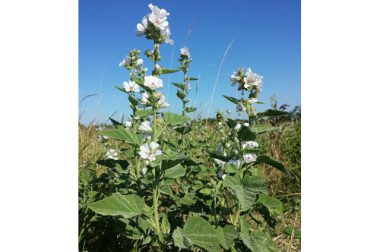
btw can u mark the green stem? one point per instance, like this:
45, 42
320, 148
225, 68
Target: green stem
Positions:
237, 215
138, 167
154, 125
155, 209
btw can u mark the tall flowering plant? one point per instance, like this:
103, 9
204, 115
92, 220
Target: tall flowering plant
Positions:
185, 86
159, 199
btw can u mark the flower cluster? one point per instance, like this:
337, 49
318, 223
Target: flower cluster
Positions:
183, 88
155, 26
133, 61
247, 81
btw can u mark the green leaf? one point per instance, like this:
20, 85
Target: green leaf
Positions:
187, 200
165, 225
168, 71
231, 99
181, 95
226, 236
192, 79
175, 119
144, 113
274, 163
121, 89
274, 205
289, 230
175, 172
190, 109
262, 242
183, 130
201, 234
271, 112
125, 205
246, 190
116, 123
179, 85
264, 129
124, 135
178, 238
245, 134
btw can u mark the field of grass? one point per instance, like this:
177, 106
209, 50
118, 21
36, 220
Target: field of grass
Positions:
283, 144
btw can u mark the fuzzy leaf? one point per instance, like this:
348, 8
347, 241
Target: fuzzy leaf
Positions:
175, 119
178, 238
246, 190
231, 99
271, 112
226, 236
274, 205
124, 205
176, 171
200, 233
122, 134
274, 163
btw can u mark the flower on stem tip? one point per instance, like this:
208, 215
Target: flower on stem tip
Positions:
185, 52
112, 154
150, 151
158, 20
253, 80
131, 86
152, 82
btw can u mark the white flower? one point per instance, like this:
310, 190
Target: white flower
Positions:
219, 162
187, 86
145, 126
249, 145
166, 34
157, 66
139, 63
150, 151
141, 27
112, 154
234, 78
144, 99
128, 124
144, 170
162, 101
246, 124
249, 158
158, 17
185, 51
237, 127
131, 86
152, 82
252, 79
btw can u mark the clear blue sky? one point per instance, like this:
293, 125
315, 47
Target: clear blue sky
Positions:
267, 37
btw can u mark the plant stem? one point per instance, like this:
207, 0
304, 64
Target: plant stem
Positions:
137, 168
237, 215
154, 125
155, 209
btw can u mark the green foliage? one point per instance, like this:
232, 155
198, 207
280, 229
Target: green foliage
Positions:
124, 205
164, 182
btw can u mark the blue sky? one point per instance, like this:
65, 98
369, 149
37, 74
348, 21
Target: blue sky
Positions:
266, 34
